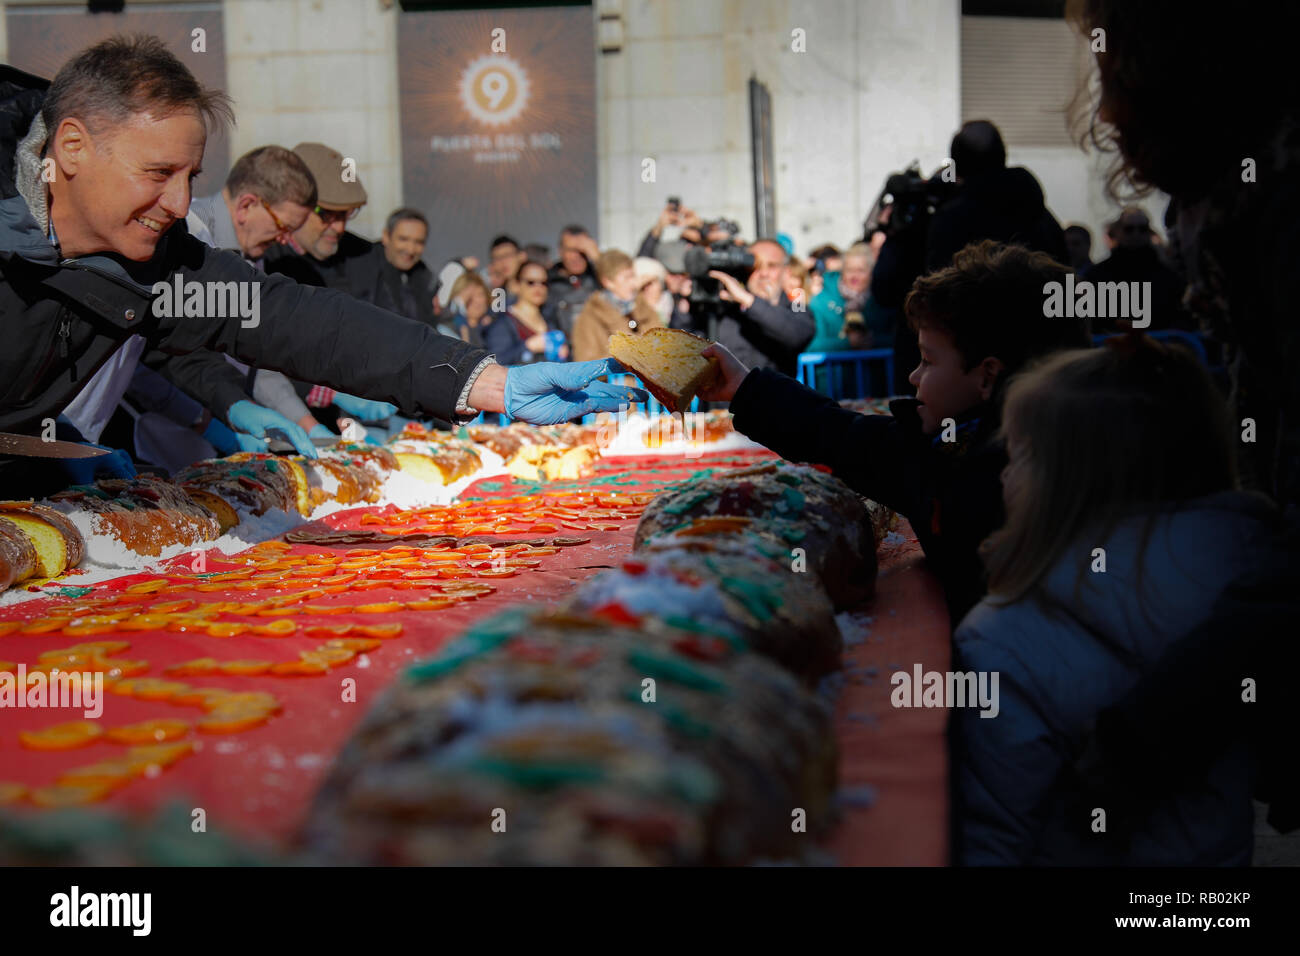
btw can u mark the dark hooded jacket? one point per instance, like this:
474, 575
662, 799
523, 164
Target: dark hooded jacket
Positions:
1005, 205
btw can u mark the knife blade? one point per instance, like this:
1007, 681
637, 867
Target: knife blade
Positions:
29, 446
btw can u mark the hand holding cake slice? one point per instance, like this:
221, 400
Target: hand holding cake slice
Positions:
668, 361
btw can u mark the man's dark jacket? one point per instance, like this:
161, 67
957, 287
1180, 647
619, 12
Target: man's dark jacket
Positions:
336, 272
64, 318
1005, 205
764, 336
950, 492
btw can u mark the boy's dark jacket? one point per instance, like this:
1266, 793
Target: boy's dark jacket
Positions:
64, 318
950, 492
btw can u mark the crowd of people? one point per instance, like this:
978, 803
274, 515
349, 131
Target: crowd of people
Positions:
1101, 519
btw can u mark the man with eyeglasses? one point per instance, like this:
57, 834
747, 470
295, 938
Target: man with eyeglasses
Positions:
321, 250
268, 196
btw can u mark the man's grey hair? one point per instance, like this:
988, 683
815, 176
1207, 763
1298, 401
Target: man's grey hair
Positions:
108, 83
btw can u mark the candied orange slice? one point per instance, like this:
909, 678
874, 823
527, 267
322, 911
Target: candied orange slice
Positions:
100, 648
422, 575
302, 668
145, 622
112, 773
42, 625
475, 548
502, 573
246, 668
70, 794
279, 628
11, 792
360, 644
272, 546
226, 629
381, 631
76, 733
434, 604
147, 587
171, 607
153, 688
329, 656
387, 607
369, 585
230, 576
338, 578
197, 667
455, 573
8, 627
204, 697
233, 721
279, 611
326, 609
161, 755
253, 698
360, 552
321, 630
335, 588
713, 523
149, 731
210, 588
116, 668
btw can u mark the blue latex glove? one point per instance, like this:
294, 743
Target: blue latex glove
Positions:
362, 409
321, 431
225, 441
84, 471
254, 420
547, 393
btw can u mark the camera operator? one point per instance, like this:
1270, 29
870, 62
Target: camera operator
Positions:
927, 221
755, 318
996, 201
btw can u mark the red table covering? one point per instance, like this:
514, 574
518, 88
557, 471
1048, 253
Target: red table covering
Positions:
258, 783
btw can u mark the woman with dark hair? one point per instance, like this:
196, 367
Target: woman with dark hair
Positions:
1198, 101
1221, 135
519, 336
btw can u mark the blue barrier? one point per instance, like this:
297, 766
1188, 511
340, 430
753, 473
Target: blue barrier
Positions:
838, 365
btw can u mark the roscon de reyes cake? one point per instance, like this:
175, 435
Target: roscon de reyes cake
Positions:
668, 361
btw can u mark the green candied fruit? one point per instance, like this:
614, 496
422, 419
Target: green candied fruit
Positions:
483, 637
537, 776
712, 630
759, 600
684, 723
675, 670
272, 465
788, 478
687, 502
793, 534
694, 782
794, 499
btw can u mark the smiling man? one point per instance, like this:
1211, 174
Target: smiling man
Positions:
96, 170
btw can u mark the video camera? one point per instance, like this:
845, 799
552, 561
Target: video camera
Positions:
914, 200
722, 256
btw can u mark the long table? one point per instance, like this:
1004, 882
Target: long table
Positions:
258, 783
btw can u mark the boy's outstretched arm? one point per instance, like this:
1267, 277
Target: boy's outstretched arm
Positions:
869, 453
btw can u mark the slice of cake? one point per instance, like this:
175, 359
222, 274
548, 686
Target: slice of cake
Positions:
17, 555
58, 544
668, 361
